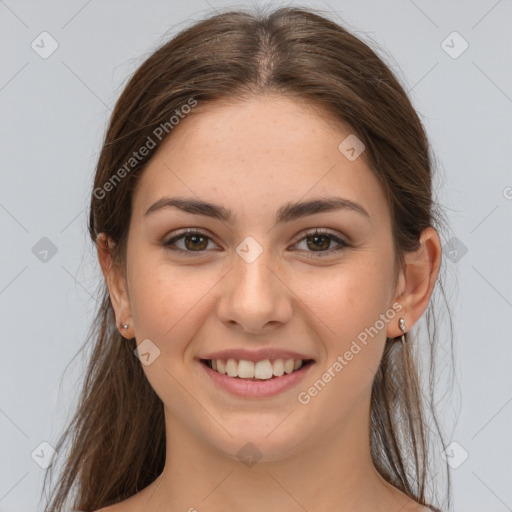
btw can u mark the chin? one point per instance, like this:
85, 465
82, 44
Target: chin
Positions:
260, 441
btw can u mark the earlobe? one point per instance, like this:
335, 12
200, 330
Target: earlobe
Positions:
417, 279
115, 282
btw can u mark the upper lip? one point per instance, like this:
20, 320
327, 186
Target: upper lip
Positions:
256, 355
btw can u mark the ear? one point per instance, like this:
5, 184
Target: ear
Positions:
116, 284
416, 281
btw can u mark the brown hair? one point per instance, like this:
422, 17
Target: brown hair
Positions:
117, 433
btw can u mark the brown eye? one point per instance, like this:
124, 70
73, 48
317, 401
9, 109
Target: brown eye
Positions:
318, 243
193, 241
196, 242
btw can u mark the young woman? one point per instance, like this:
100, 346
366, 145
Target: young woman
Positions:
263, 216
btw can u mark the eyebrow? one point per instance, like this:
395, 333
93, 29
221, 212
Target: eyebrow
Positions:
287, 213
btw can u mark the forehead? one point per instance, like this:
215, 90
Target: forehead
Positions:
256, 154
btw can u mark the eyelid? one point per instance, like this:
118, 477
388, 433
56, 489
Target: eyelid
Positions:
182, 234
335, 237
319, 231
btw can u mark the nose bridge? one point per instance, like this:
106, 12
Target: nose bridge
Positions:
253, 295
253, 277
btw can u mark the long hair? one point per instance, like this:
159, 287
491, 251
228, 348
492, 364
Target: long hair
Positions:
116, 438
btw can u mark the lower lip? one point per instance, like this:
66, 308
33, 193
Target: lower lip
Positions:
257, 389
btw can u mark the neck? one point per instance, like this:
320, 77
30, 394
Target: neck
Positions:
335, 472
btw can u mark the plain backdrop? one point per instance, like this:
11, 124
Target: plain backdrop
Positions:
63, 65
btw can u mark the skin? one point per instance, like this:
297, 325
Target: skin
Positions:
252, 157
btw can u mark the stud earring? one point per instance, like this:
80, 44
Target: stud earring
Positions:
125, 326
401, 324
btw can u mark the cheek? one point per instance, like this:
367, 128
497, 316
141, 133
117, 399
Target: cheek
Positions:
169, 306
167, 301
348, 298
352, 304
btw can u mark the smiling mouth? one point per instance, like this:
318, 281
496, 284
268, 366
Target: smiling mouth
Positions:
267, 369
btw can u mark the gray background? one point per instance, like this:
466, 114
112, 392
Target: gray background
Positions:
54, 113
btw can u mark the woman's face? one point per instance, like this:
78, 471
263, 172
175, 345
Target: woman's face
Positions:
260, 279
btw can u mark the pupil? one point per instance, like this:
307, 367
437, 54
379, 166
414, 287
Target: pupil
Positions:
321, 246
195, 238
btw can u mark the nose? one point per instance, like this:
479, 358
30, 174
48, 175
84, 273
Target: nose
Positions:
254, 295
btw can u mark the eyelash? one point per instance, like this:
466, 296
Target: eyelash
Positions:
317, 232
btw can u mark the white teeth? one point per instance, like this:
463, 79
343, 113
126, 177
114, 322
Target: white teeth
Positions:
221, 367
278, 367
288, 366
262, 370
246, 369
232, 367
